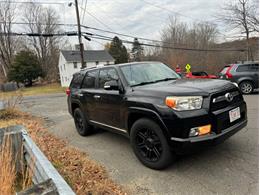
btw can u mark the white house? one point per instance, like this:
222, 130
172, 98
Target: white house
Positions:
70, 63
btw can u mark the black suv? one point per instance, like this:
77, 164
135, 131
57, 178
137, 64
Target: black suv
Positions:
162, 114
246, 75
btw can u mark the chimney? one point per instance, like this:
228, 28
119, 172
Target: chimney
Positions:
77, 47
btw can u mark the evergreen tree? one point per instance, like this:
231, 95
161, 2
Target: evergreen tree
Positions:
25, 68
118, 51
137, 50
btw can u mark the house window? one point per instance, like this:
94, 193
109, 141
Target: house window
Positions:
107, 62
61, 68
75, 65
97, 62
64, 67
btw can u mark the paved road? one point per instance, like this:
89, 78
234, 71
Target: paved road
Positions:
229, 168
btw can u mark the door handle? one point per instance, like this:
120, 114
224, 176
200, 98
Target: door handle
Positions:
96, 96
80, 94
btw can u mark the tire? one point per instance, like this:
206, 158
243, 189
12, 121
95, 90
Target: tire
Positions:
246, 87
150, 145
82, 126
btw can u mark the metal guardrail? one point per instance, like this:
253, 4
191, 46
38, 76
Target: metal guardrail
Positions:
42, 168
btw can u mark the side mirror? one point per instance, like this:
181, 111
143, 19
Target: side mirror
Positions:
111, 85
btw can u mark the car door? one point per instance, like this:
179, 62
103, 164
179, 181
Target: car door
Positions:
108, 102
88, 90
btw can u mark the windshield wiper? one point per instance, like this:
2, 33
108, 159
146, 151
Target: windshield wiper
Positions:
165, 79
143, 83
150, 82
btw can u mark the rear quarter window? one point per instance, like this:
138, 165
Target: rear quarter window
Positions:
243, 68
76, 80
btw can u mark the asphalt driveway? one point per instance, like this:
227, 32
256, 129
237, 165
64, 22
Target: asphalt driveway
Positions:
229, 168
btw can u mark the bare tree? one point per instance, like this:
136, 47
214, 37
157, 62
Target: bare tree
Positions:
179, 34
241, 15
8, 43
41, 20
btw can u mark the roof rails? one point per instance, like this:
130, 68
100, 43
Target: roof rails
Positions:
97, 66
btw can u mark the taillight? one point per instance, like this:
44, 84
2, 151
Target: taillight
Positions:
228, 74
68, 91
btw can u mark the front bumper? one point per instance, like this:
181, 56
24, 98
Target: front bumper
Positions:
187, 145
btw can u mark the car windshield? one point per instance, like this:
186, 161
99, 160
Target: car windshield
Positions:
146, 73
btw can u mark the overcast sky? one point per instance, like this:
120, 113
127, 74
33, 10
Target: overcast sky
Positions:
142, 18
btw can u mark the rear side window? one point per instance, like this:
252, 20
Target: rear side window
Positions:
243, 68
90, 79
106, 75
76, 80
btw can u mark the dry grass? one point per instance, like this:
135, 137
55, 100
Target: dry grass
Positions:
36, 90
10, 179
83, 175
7, 168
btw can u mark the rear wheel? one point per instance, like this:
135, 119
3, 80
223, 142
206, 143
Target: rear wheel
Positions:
150, 145
246, 87
81, 123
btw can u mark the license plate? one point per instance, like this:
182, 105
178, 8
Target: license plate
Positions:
234, 114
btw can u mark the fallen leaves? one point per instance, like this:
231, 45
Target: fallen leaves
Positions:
85, 176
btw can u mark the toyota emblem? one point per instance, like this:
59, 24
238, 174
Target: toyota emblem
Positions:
229, 97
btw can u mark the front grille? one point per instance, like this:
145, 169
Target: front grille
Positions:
218, 100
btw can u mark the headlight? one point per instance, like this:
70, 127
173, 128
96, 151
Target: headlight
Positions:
184, 102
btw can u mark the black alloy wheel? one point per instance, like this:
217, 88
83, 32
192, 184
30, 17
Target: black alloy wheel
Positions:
150, 145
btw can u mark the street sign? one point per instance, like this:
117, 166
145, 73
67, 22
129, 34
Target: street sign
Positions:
188, 67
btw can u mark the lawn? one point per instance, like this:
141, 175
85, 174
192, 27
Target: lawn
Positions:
36, 90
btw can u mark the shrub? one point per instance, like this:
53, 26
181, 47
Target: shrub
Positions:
25, 68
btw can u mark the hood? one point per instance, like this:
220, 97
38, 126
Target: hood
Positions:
202, 87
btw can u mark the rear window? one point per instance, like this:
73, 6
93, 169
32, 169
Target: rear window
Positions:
199, 74
76, 80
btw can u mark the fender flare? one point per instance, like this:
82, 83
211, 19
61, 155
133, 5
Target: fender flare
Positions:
149, 114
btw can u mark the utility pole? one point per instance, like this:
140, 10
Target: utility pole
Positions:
79, 35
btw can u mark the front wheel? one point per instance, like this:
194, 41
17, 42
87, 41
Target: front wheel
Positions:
150, 145
246, 87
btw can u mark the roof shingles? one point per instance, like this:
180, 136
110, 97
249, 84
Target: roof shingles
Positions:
89, 55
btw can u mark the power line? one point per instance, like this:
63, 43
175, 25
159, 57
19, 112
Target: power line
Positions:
32, 2
83, 16
102, 37
124, 35
166, 9
97, 20
84, 9
39, 34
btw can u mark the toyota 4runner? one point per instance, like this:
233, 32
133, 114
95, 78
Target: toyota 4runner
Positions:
162, 114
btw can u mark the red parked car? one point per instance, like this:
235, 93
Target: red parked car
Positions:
200, 75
